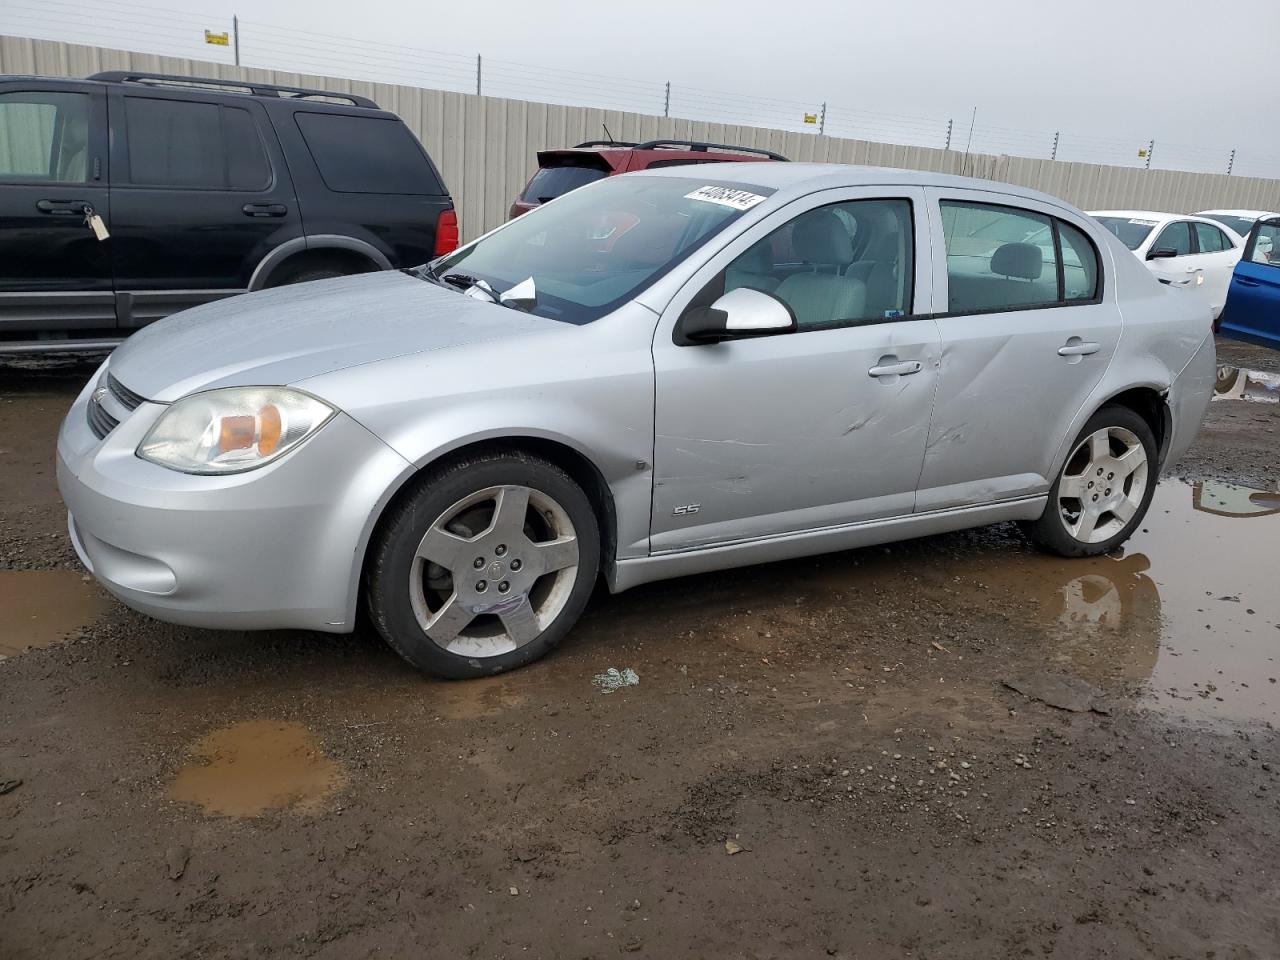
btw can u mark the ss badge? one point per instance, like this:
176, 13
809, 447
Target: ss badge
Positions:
686, 510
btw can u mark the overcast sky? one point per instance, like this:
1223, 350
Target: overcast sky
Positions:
1196, 76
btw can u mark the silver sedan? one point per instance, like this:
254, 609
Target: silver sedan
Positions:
658, 374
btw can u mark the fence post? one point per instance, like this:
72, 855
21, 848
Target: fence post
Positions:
666, 102
949, 125
235, 33
1231, 162
478, 75
1151, 147
1054, 154
822, 120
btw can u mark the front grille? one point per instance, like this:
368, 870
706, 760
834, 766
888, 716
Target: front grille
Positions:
127, 397
100, 422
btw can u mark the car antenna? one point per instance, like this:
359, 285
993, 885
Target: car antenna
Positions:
607, 135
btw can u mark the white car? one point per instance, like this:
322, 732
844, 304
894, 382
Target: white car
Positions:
1180, 249
1242, 221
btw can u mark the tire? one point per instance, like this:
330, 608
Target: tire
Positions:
483, 565
1095, 485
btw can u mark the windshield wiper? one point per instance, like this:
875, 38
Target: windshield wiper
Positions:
462, 281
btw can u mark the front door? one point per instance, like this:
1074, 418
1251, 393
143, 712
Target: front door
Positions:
824, 426
55, 274
201, 194
1027, 334
1253, 304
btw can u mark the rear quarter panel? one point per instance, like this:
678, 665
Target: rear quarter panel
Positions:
1164, 328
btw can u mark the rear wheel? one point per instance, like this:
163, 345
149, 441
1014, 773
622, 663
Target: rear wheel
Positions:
1104, 489
484, 566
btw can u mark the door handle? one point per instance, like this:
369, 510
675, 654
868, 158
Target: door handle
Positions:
1246, 282
1077, 349
264, 209
897, 369
62, 208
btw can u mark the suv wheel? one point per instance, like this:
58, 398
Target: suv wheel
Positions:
484, 566
1104, 489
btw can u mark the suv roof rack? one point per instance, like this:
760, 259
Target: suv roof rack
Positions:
605, 143
254, 88
703, 147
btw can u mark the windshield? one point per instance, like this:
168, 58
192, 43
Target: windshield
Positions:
592, 250
1131, 231
1241, 225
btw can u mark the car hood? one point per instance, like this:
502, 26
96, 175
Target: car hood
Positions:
288, 334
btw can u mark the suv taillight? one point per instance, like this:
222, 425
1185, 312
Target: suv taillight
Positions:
446, 233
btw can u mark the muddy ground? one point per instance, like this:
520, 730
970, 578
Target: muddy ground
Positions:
826, 757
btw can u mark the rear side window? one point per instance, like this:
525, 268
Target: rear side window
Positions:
367, 155
1210, 238
1265, 244
44, 136
1003, 258
1176, 237
188, 143
551, 182
1079, 264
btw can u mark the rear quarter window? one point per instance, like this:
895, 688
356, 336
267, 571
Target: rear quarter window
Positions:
367, 155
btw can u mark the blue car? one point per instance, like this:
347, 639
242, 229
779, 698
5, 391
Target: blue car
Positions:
1252, 311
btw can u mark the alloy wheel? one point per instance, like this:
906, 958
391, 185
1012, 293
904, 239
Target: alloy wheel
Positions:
1103, 484
494, 571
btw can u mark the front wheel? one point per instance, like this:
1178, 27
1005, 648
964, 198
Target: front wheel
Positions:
484, 565
1104, 489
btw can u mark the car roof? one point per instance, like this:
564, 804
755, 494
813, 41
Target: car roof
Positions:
1247, 214
808, 177
1156, 215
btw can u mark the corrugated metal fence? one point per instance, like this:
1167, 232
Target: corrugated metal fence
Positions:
485, 146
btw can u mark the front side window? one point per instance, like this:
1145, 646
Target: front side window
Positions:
834, 265
1265, 245
194, 144
998, 257
1210, 239
367, 155
1176, 237
44, 136
595, 249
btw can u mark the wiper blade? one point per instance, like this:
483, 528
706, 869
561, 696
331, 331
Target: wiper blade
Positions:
462, 281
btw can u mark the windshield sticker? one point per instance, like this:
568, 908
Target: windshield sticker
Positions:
726, 197
1144, 223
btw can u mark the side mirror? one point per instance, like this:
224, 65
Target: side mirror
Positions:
743, 312
1162, 253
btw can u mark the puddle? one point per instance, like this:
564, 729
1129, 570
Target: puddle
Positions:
248, 768
38, 608
1190, 607
1235, 383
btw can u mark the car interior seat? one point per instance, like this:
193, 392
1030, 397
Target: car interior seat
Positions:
821, 241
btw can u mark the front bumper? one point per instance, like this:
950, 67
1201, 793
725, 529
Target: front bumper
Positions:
280, 546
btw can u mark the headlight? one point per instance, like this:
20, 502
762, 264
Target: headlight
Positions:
232, 430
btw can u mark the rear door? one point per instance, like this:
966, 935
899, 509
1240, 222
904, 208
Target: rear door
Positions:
201, 194
55, 275
1253, 303
1027, 332
1216, 256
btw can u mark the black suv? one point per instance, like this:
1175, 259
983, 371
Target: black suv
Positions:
129, 196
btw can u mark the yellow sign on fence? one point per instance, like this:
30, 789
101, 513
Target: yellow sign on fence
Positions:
217, 39
811, 118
